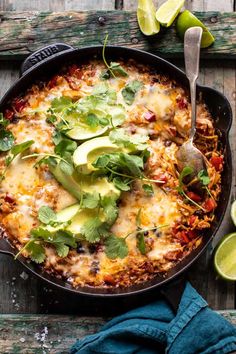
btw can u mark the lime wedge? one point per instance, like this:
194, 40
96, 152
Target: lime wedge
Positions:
168, 11
233, 212
146, 17
187, 20
225, 257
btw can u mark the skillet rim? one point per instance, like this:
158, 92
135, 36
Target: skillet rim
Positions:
190, 259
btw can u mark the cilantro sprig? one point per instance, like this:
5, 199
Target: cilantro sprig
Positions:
62, 241
114, 68
186, 171
6, 136
122, 169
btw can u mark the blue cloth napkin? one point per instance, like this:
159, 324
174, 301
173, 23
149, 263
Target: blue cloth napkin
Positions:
155, 328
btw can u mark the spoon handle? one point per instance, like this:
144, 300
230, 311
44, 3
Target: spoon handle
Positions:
192, 44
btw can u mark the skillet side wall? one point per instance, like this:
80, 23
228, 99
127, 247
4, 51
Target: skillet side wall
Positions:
222, 115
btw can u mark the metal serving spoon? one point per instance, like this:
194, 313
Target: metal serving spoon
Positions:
188, 154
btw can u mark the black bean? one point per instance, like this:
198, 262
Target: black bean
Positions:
94, 268
158, 233
80, 248
167, 143
199, 212
145, 233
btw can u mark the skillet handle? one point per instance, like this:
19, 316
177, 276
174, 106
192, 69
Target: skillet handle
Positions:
42, 55
5, 247
173, 292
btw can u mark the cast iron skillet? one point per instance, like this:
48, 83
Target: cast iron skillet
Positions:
48, 61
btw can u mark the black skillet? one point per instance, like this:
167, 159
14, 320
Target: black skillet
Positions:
48, 61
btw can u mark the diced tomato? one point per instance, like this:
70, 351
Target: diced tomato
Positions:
217, 162
150, 116
209, 204
109, 279
192, 220
182, 103
192, 234
53, 82
175, 229
182, 236
161, 179
19, 104
172, 130
9, 114
194, 196
9, 199
75, 71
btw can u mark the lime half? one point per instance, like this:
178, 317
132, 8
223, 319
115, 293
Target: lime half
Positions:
225, 257
146, 17
187, 20
168, 11
233, 212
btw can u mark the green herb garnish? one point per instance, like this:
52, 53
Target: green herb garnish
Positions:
187, 171
130, 90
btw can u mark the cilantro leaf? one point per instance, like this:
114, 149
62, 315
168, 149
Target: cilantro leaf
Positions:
203, 177
36, 251
62, 249
148, 189
90, 230
92, 120
110, 209
65, 237
141, 243
117, 69
133, 142
122, 185
130, 90
57, 136
19, 148
6, 140
3, 122
46, 215
187, 170
60, 103
90, 201
116, 247
132, 164
65, 148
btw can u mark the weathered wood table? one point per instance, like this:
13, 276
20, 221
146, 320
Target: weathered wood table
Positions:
20, 33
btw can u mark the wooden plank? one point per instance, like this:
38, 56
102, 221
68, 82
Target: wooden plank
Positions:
42, 334
192, 5
24, 32
56, 5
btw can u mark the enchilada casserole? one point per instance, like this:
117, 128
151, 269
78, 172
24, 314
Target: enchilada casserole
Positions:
89, 186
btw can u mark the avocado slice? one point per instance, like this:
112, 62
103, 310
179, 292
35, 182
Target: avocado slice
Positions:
75, 215
83, 133
76, 183
88, 152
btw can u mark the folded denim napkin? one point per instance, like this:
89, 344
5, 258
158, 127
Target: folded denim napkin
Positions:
155, 328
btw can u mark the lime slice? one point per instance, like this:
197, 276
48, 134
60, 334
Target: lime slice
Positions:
168, 11
187, 20
146, 17
225, 257
233, 212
